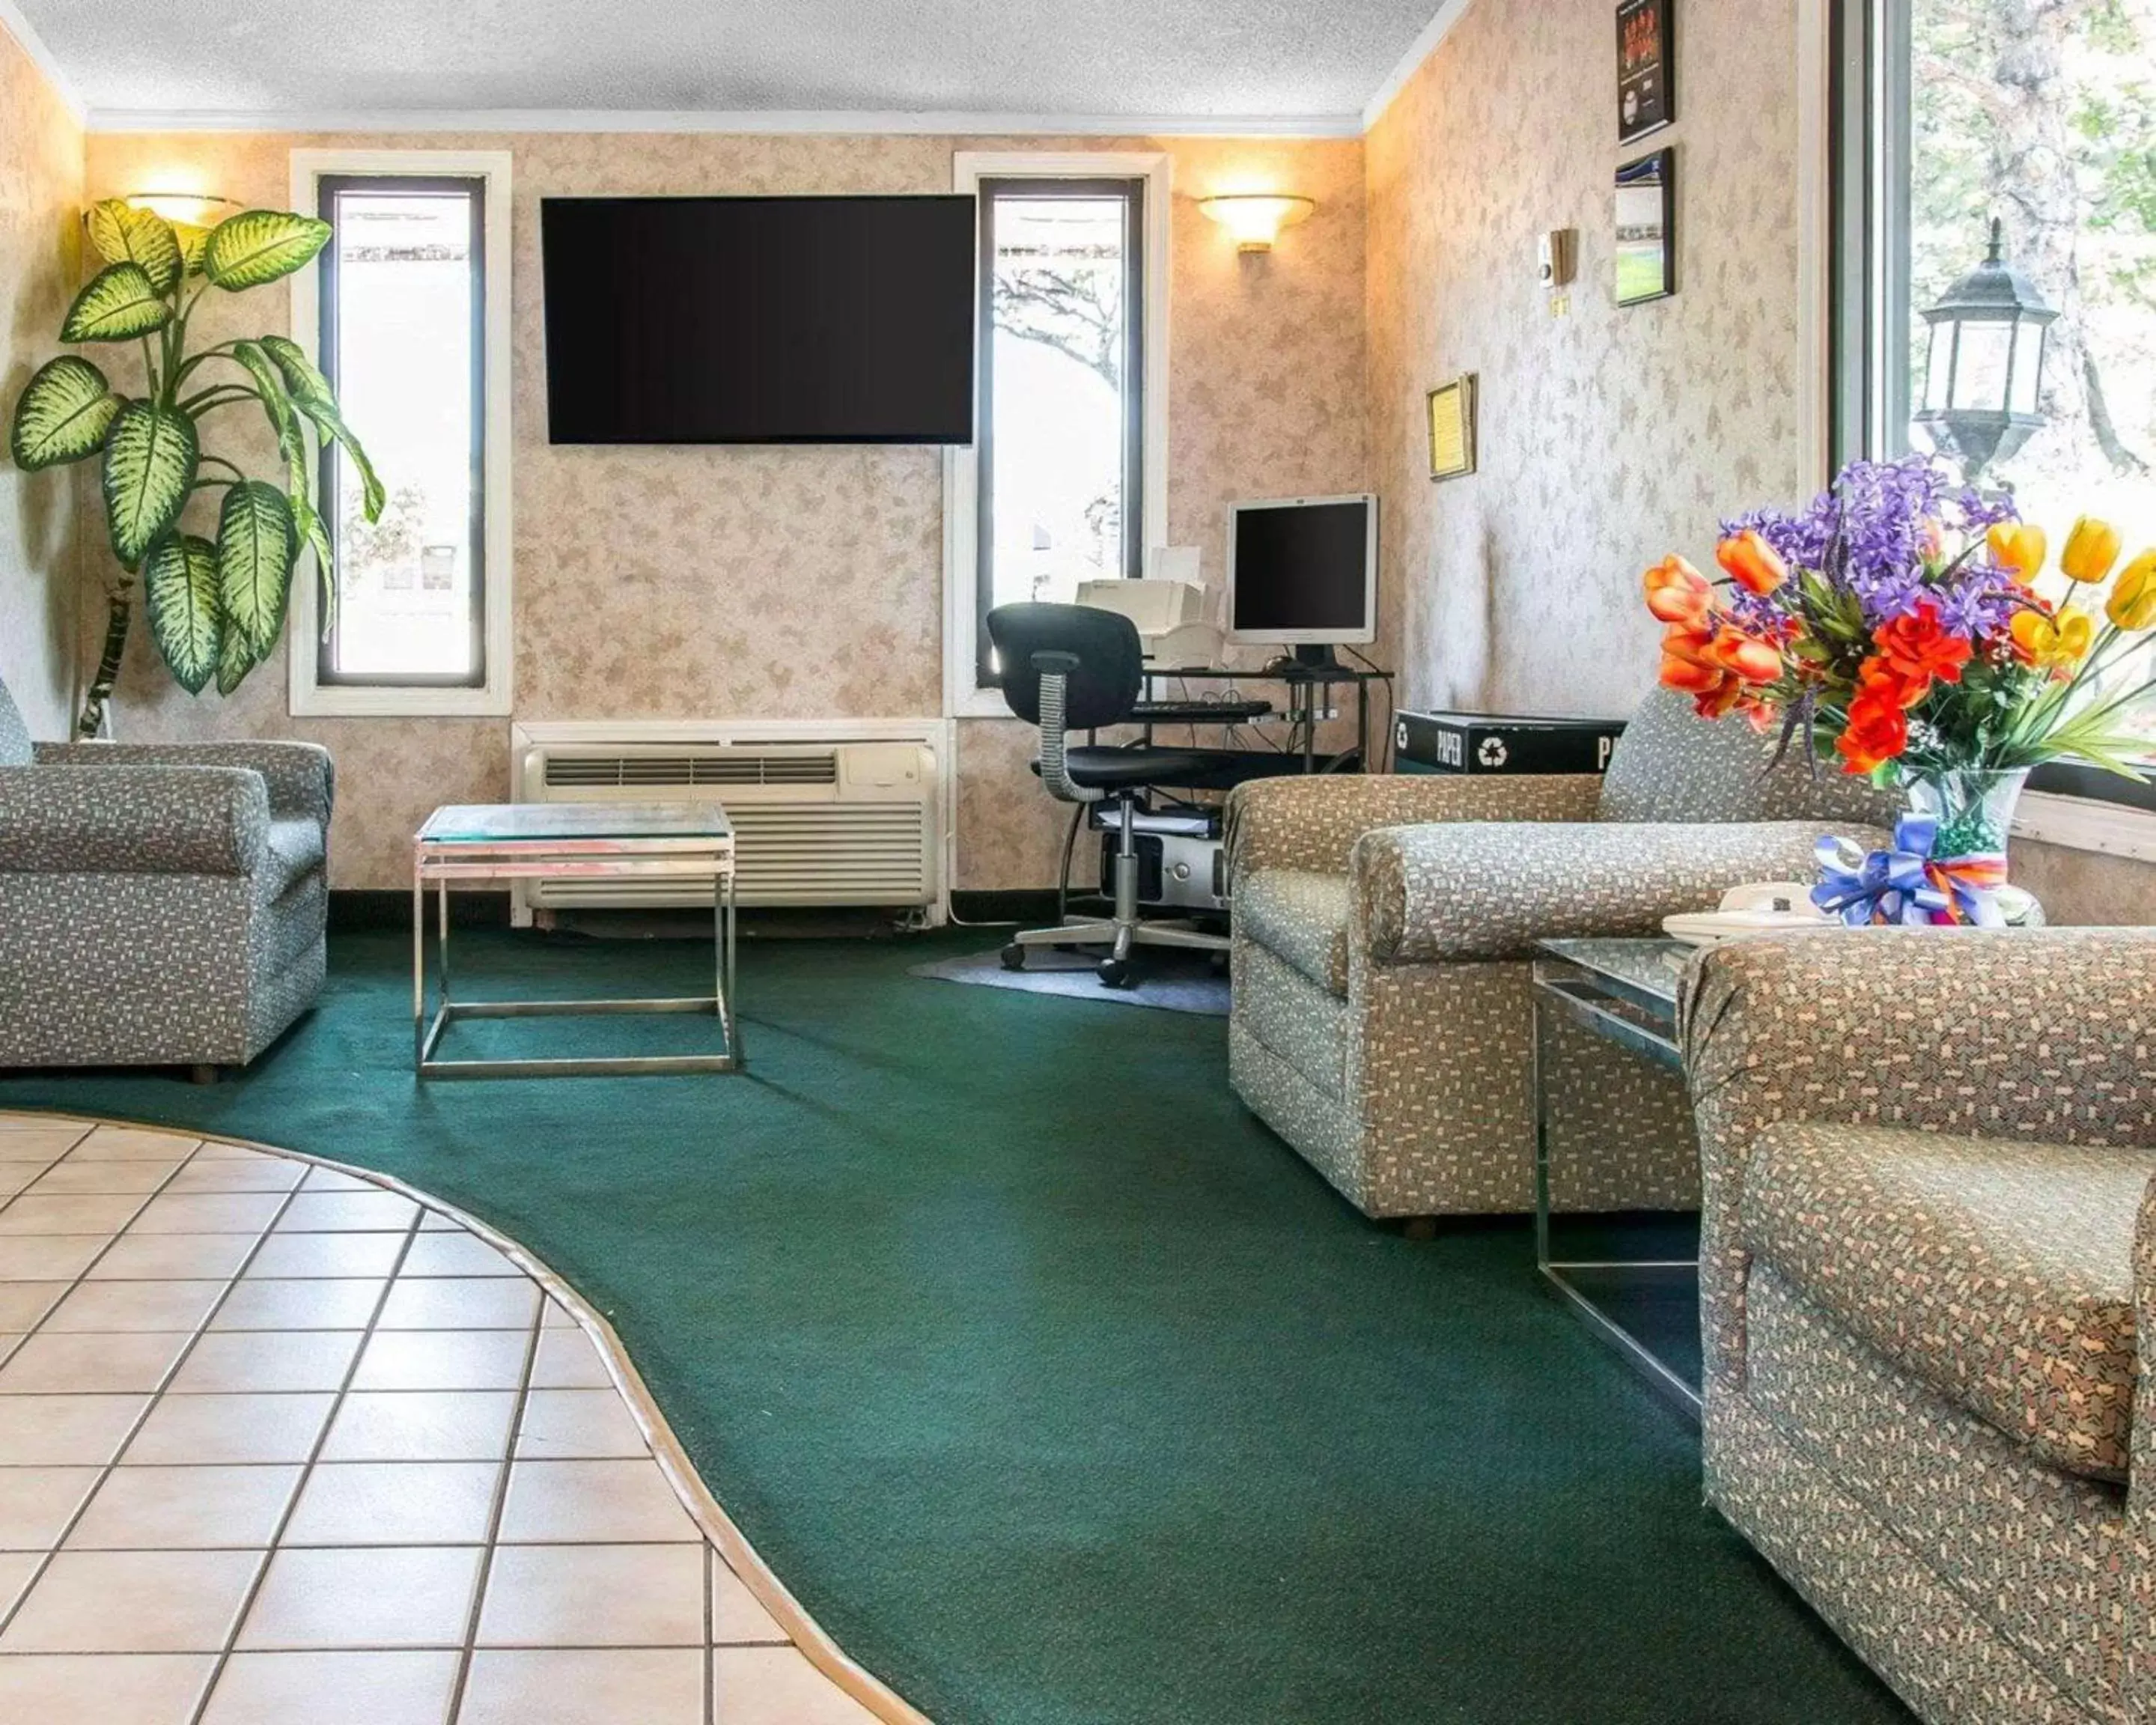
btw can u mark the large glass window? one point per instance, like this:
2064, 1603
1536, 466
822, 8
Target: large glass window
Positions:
1061, 445
403, 337
2040, 115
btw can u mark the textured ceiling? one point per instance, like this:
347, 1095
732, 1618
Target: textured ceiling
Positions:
1194, 59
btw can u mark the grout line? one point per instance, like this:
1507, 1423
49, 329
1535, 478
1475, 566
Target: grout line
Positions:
710, 1555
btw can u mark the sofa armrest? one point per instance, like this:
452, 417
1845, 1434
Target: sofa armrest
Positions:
132, 820
301, 777
1312, 824
2141, 1477
2046, 1033
1445, 894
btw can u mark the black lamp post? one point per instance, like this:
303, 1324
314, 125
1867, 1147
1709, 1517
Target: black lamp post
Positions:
1983, 377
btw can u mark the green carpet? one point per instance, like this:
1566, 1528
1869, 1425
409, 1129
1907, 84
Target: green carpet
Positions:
1059, 1391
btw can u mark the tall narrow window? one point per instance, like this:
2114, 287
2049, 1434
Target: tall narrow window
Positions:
1061, 450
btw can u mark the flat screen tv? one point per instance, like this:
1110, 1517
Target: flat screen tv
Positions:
759, 320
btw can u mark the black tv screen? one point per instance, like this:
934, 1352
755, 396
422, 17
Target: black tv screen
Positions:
759, 320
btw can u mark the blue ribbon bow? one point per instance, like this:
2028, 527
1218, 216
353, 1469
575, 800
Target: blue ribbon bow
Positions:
1881, 885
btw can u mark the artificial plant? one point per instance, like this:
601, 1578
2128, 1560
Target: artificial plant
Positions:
216, 604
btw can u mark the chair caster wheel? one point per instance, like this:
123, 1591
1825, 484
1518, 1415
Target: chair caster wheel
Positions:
1114, 973
1014, 957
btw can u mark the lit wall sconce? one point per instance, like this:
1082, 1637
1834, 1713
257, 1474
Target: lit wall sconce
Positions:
184, 209
1255, 218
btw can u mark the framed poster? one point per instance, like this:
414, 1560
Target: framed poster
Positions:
1646, 67
1452, 427
1647, 228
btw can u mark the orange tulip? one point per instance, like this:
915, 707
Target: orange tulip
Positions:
1746, 656
1677, 592
2018, 548
1751, 562
2133, 596
2091, 549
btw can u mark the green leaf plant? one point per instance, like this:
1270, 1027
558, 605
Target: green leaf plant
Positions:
216, 598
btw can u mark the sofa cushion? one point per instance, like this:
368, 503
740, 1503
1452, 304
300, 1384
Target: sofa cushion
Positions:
1999, 1273
1300, 916
1672, 765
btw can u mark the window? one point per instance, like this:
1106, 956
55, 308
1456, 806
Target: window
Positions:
1948, 115
406, 313
1065, 482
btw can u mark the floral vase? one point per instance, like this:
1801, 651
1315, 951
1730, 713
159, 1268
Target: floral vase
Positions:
1974, 809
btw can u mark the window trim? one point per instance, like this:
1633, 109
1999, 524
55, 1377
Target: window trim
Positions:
310, 696
962, 697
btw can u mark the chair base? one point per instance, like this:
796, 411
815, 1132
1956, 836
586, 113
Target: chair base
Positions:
1119, 937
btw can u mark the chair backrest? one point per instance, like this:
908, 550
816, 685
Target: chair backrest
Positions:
14, 735
1111, 667
1671, 765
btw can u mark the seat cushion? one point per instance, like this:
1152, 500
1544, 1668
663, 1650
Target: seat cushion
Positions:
1301, 917
2000, 1274
1186, 769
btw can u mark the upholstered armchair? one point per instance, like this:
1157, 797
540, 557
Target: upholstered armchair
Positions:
1928, 1258
160, 905
1384, 931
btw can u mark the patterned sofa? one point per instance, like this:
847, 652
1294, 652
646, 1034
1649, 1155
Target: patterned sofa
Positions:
1929, 1243
1383, 930
160, 905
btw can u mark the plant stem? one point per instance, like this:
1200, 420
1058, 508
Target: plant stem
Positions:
92, 718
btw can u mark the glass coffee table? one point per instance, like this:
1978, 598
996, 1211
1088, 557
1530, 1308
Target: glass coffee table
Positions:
689, 842
1647, 1308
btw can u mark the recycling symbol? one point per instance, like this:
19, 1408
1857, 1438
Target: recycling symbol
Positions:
1493, 752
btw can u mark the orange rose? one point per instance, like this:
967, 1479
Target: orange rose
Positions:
1877, 731
1878, 679
1918, 645
1677, 592
1751, 562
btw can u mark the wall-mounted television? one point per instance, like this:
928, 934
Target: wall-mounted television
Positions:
759, 320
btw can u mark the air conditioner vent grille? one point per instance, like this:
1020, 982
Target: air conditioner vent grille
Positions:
714, 768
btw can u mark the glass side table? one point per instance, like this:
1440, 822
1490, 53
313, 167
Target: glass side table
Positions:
1626, 992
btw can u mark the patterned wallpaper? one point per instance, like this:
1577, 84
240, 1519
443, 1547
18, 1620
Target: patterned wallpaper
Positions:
41, 169
666, 582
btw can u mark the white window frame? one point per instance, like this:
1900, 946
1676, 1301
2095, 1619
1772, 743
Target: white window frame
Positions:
310, 698
962, 466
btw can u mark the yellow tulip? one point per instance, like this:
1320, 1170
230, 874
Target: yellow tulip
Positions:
2092, 548
2018, 548
2055, 644
2133, 595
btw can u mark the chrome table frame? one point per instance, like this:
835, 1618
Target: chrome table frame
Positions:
707, 858
1645, 1023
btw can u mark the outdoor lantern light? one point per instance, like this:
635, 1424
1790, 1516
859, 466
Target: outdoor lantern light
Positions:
1984, 375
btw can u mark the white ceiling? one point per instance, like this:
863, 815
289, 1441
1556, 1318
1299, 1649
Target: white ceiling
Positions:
1278, 63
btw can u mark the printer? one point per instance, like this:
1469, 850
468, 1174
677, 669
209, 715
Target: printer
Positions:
1169, 611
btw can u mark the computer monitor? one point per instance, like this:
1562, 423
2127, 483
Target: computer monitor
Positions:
1302, 573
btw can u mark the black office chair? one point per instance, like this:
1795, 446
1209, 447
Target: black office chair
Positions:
1071, 668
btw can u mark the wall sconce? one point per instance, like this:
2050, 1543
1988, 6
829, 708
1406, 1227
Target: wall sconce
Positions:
184, 209
1255, 218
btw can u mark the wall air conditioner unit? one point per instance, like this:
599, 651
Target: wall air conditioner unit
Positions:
843, 813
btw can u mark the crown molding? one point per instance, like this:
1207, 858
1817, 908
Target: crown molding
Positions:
744, 120
32, 44
1420, 49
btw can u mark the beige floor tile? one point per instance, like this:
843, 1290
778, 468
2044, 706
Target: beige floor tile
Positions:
594, 1596
230, 1361
24, 1303
568, 1360
443, 1254
379, 1598
39, 1143
10, 1341
776, 1685
591, 1503
133, 1602
90, 1365
171, 1257
442, 1359
300, 1304
570, 1424
108, 1177
395, 1503
436, 1219
66, 1430
329, 1179
330, 1254
111, 1305
19, 1176
134, 1143
16, 1569
48, 1257
346, 1213
70, 1213
422, 1426
186, 1508
461, 1303
738, 1617
81, 1689
36, 1503
216, 1150
651, 1685
184, 1429
208, 1213
558, 1317
333, 1689
256, 1173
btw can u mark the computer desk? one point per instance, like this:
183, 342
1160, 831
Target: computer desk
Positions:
1303, 683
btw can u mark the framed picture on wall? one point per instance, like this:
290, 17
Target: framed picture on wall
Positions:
1647, 228
1646, 67
1452, 408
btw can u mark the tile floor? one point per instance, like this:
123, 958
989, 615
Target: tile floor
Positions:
277, 1444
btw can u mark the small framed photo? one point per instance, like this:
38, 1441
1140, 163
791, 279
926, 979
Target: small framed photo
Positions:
1647, 228
1452, 427
1646, 67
